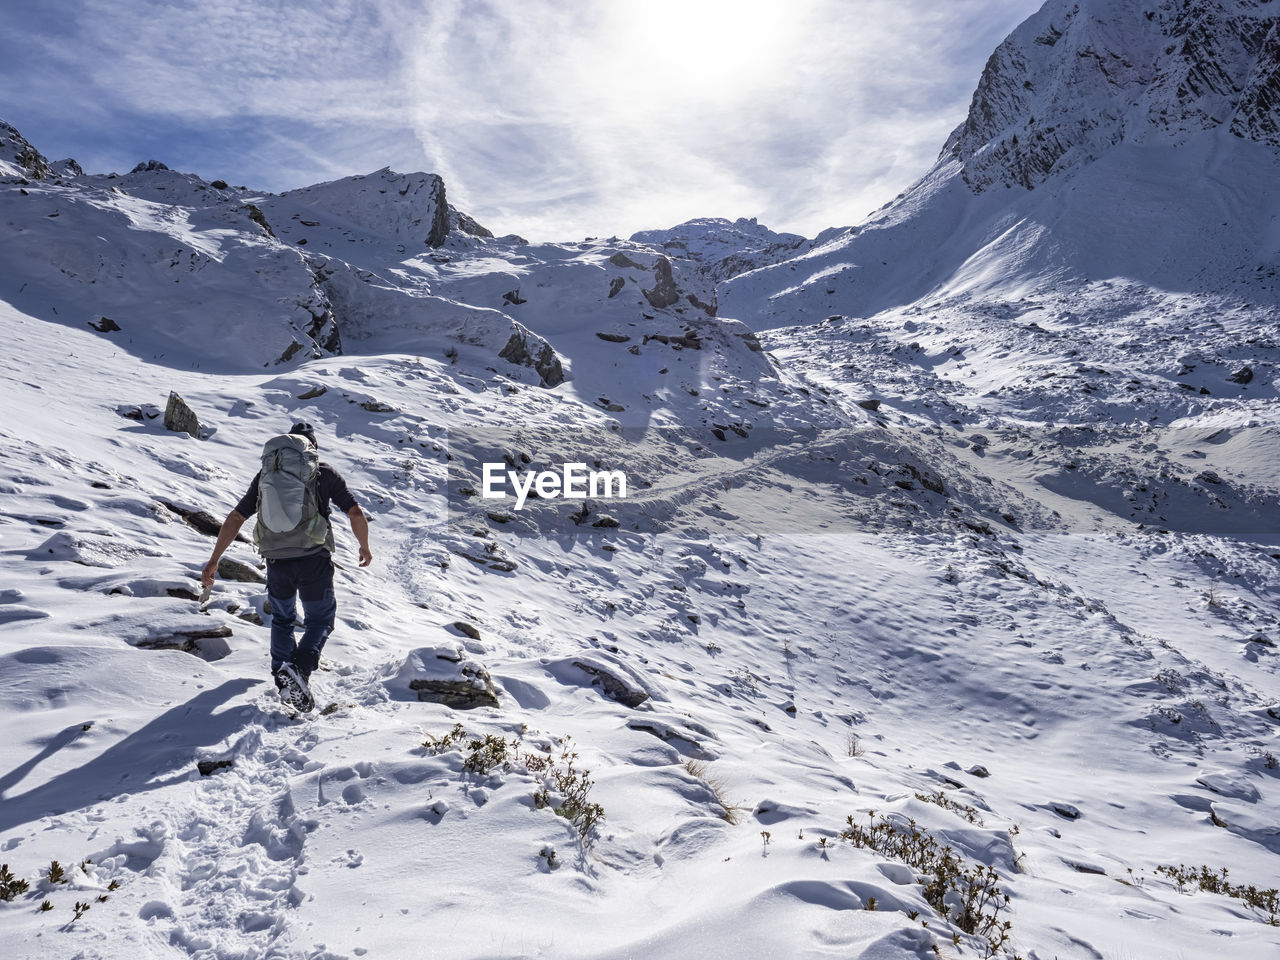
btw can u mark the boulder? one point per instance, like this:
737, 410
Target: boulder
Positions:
1242, 376
442, 675
180, 418
229, 569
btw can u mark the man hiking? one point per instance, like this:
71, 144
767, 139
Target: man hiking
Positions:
291, 495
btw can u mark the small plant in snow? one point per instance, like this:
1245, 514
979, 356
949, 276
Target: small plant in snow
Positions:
955, 806
976, 900
549, 854
1266, 902
10, 886
729, 812
45, 906
445, 742
488, 752
56, 874
853, 745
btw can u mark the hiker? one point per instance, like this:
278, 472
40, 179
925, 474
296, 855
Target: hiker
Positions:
291, 494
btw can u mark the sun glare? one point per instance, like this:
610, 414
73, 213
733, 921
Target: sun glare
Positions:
691, 52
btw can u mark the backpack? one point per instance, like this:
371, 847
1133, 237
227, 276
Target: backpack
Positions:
290, 523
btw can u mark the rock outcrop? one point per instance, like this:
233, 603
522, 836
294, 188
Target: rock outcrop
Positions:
1078, 78
664, 292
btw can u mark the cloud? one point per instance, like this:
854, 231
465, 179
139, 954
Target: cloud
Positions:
614, 117
552, 118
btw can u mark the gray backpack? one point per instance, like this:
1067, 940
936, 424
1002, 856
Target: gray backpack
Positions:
290, 523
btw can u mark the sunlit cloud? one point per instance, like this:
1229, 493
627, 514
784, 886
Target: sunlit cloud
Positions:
550, 118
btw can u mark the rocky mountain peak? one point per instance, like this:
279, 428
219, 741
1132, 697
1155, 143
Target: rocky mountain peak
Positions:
17, 152
1078, 77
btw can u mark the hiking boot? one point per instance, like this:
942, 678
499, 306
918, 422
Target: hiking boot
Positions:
293, 688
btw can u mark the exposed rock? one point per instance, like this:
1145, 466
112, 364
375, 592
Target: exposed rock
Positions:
219, 184
209, 767
613, 337
1076, 79
440, 215
513, 297
377, 406
466, 629
664, 292
200, 520
180, 418
107, 325
260, 218
873, 405
149, 166
622, 260
616, 684
688, 339
140, 412
443, 675
468, 225
229, 569
1244, 374
208, 643
14, 147
615, 286
313, 393
707, 308
541, 358
290, 351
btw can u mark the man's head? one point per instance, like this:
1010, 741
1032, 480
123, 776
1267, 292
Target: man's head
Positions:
304, 429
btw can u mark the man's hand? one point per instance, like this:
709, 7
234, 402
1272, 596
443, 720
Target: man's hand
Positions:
230, 527
360, 527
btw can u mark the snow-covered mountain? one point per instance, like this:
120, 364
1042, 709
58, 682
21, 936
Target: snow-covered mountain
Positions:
959, 523
1106, 140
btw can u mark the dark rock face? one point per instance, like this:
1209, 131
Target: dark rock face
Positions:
1242, 376
615, 286
14, 147
467, 225
540, 356
149, 166
260, 218
180, 418
1077, 78
440, 218
622, 260
616, 685
664, 292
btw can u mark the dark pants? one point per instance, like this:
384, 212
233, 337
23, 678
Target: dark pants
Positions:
310, 578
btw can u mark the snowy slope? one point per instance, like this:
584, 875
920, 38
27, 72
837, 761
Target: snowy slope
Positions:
983, 540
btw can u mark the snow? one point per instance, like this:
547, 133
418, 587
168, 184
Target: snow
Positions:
1028, 602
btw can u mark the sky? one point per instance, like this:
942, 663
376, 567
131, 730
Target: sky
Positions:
554, 119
